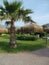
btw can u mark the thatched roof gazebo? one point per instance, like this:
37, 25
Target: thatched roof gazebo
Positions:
31, 28
3, 30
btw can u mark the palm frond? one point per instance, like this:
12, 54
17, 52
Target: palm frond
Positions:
7, 22
28, 19
15, 11
27, 11
2, 8
1, 17
11, 7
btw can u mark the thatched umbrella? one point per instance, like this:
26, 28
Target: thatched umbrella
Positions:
3, 30
31, 28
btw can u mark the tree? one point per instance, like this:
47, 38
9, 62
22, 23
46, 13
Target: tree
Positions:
14, 11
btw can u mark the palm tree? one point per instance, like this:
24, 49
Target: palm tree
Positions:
14, 11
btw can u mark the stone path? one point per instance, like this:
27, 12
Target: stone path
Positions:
39, 57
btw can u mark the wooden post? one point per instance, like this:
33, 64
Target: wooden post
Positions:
46, 39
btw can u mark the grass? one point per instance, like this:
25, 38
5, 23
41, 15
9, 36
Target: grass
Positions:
21, 45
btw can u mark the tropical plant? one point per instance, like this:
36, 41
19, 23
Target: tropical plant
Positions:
14, 12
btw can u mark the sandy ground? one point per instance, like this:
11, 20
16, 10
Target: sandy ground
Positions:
39, 57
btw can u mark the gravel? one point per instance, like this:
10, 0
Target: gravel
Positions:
38, 57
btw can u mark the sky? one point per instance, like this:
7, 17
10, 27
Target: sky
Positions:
40, 9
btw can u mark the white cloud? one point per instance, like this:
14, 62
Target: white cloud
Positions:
41, 19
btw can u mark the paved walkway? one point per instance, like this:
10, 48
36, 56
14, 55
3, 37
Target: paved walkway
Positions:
39, 57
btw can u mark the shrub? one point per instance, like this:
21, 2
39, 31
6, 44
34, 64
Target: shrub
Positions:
6, 36
0, 33
26, 37
43, 34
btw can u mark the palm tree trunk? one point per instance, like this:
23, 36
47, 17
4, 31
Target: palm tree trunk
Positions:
12, 35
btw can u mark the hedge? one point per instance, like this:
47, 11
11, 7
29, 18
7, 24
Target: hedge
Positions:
26, 37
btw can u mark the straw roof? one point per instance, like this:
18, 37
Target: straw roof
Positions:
34, 26
30, 28
3, 30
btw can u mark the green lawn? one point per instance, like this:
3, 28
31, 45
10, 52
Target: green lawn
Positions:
21, 45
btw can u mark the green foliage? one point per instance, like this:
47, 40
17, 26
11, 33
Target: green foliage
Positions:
12, 7
15, 11
43, 34
0, 33
21, 45
26, 37
6, 36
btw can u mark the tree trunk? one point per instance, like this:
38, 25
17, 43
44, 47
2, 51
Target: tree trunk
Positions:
12, 35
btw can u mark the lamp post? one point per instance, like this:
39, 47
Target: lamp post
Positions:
46, 39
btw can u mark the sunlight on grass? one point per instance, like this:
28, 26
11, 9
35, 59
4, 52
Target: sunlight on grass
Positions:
21, 45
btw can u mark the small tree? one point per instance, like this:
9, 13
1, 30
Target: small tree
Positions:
14, 11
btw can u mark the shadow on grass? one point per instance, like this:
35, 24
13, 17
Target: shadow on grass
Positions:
4, 47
